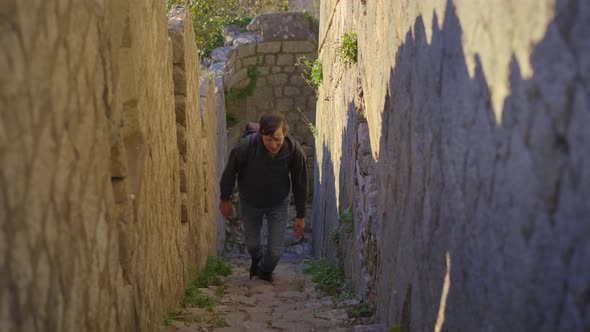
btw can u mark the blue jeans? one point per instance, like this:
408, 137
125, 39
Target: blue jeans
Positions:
276, 218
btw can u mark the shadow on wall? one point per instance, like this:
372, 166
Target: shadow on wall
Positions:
324, 210
508, 201
325, 214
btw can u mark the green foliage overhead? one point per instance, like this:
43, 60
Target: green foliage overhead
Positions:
211, 16
348, 48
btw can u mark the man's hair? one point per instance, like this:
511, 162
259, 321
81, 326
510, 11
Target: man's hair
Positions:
271, 122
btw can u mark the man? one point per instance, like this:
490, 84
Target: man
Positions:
267, 164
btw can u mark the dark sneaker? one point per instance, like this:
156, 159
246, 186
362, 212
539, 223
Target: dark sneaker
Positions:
254, 268
268, 276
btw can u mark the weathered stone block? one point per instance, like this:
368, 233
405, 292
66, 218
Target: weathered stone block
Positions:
241, 84
249, 61
270, 59
285, 60
222, 54
284, 104
277, 79
183, 208
292, 91
297, 80
264, 70
281, 26
300, 46
239, 76
276, 69
278, 92
180, 109
269, 47
246, 50
183, 186
263, 97
261, 82
181, 139
246, 38
179, 81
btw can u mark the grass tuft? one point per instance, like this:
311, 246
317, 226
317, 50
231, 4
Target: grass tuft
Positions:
329, 278
214, 268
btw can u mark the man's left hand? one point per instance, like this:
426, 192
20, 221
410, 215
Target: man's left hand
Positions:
299, 226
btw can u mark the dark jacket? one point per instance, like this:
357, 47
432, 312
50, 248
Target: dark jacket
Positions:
264, 181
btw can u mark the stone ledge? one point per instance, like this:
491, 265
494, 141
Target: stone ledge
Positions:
281, 26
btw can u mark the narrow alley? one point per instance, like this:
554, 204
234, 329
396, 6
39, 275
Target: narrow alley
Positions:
441, 149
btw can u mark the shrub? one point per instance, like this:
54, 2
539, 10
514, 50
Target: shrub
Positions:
328, 278
311, 71
214, 268
348, 48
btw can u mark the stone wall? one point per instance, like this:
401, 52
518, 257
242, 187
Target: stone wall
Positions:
197, 128
271, 48
460, 140
92, 237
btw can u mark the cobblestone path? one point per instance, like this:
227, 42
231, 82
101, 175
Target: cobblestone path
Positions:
290, 303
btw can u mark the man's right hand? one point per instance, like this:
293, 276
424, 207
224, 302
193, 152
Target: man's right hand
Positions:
226, 208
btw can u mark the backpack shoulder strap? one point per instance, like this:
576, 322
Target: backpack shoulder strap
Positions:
252, 145
293, 150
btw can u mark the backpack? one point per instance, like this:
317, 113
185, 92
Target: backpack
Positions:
251, 131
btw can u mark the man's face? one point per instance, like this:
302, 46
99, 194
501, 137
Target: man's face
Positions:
274, 142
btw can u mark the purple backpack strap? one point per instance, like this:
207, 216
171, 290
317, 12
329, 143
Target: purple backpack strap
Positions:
252, 144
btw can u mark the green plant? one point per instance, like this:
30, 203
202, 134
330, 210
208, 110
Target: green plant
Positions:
311, 71
218, 321
214, 268
317, 75
346, 220
335, 236
395, 329
348, 48
194, 298
328, 278
360, 310
172, 316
